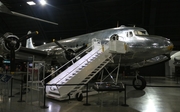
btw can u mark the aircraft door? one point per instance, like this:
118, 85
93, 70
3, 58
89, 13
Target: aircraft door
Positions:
116, 37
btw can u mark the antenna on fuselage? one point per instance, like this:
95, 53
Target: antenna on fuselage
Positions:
117, 23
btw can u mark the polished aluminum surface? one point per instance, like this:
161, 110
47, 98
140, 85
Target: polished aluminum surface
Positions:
141, 46
142, 49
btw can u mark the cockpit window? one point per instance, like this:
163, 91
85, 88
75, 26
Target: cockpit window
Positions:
138, 32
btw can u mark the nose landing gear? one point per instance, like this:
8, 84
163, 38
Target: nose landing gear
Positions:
139, 83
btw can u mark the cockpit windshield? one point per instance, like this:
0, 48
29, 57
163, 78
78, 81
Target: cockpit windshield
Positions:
142, 32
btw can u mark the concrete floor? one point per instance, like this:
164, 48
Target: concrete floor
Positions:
151, 99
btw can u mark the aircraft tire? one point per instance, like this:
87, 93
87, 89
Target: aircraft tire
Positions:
140, 80
79, 97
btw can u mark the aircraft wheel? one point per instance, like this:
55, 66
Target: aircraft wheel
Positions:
139, 83
79, 96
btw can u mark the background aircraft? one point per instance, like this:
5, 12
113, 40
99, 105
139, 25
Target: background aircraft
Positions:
12, 43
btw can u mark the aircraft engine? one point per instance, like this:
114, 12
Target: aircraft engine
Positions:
64, 56
11, 41
69, 54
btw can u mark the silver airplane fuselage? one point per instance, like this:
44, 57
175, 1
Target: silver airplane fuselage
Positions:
140, 45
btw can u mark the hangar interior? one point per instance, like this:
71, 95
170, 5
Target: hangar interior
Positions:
77, 17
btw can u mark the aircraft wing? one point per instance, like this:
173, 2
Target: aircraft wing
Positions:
26, 53
33, 51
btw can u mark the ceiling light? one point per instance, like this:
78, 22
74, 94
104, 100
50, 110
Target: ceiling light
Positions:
43, 2
31, 3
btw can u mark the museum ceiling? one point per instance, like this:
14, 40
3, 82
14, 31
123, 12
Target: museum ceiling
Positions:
76, 17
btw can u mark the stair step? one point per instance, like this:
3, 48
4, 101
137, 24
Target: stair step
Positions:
91, 74
76, 87
73, 91
70, 76
87, 77
84, 81
74, 74
95, 71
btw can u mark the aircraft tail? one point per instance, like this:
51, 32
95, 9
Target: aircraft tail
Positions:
29, 43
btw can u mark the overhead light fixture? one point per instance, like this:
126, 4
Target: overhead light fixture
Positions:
31, 3
43, 2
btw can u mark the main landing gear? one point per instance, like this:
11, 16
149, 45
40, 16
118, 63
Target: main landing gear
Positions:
139, 83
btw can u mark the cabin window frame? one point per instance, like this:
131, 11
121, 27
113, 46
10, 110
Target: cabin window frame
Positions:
129, 34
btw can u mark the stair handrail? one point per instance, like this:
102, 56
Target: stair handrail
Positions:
68, 62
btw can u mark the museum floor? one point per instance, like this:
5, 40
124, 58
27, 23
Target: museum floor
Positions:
152, 99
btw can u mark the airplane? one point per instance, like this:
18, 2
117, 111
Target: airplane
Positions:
142, 49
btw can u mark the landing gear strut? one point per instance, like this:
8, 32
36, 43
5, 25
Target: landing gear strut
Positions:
139, 83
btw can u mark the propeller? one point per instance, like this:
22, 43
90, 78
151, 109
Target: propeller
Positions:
56, 42
12, 43
69, 52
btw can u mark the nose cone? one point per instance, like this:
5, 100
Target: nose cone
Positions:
169, 45
163, 43
159, 44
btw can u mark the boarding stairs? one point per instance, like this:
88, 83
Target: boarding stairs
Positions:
80, 72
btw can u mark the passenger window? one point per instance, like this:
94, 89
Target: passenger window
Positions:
129, 34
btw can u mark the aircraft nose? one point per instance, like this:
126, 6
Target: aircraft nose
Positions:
169, 45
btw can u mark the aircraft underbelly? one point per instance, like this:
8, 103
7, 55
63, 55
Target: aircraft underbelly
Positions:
136, 57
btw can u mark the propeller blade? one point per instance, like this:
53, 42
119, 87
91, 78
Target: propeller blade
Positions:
29, 35
57, 43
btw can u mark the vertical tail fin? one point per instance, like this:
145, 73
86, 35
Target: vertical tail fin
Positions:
29, 43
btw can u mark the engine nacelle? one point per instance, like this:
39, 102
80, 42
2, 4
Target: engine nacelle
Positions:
11, 41
64, 56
